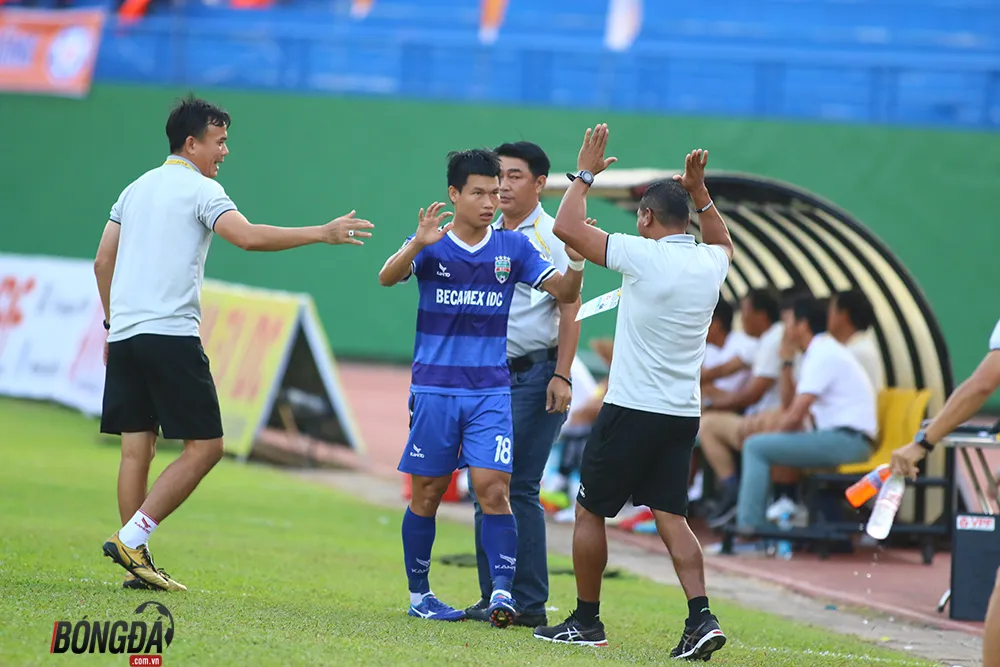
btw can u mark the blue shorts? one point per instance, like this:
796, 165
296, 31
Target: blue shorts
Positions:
448, 433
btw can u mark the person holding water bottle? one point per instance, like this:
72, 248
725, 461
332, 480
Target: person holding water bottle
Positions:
961, 406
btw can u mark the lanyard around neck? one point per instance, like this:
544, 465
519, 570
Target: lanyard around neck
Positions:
181, 162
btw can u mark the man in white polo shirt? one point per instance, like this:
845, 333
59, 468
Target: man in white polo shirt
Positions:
542, 337
150, 266
962, 405
849, 320
834, 390
728, 353
641, 444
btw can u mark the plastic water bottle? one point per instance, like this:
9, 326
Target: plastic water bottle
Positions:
868, 486
886, 506
784, 550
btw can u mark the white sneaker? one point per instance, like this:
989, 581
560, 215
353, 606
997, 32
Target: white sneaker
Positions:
786, 505
697, 487
567, 515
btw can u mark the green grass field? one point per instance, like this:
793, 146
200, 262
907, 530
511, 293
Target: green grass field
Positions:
285, 572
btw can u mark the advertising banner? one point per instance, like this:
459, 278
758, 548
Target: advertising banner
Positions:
49, 51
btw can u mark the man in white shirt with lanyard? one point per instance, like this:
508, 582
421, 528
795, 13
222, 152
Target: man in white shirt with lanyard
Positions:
834, 390
542, 338
150, 266
961, 406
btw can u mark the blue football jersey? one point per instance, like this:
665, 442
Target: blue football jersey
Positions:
465, 296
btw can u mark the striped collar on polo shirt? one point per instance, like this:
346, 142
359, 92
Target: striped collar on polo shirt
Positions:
678, 238
180, 162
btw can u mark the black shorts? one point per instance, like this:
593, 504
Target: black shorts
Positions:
640, 455
154, 382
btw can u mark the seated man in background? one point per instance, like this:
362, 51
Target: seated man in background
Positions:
834, 390
729, 354
721, 430
849, 320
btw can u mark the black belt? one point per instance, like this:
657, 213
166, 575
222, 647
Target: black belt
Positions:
855, 432
521, 364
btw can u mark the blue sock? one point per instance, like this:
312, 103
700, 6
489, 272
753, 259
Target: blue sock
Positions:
418, 539
500, 544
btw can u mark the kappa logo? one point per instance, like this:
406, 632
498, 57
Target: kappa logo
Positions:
501, 268
416, 453
425, 564
443, 271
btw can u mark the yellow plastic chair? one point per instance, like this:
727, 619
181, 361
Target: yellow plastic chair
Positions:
900, 412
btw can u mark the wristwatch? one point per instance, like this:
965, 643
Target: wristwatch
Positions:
107, 327
583, 175
921, 439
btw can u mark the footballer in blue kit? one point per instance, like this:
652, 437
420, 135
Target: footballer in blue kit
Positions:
460, 413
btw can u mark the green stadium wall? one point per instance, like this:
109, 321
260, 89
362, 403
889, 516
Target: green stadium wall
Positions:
300, 160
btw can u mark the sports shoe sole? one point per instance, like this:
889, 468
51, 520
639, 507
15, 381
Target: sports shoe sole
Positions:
111, 551
137, 584
441, 619
705, 647
502, 617
722, 519
603, 642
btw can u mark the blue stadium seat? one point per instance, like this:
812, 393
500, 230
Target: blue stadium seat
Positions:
925, 62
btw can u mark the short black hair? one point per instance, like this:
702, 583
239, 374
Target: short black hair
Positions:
790, 295
474, 162
765, 300
190, 118
668, 201
813, 311
724, 314
857, 306
538, 161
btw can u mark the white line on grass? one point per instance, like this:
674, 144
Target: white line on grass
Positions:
832, 654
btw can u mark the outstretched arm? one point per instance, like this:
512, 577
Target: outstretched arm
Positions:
235, 228
960, 406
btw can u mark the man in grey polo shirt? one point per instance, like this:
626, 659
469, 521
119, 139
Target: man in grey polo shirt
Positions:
542, 337
150, 266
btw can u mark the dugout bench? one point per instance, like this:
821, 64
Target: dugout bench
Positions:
900, 413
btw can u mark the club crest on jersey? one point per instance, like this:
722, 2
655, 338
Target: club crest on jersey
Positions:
501, 268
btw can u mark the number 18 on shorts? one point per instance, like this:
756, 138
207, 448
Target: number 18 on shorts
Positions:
448, 433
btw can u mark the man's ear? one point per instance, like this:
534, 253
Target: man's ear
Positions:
540, 184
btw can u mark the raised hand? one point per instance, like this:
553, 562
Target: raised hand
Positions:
429, 229
693, 178
346, 229
591, 157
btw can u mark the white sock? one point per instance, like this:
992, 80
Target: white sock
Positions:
499, 592
417, 598
137, 530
